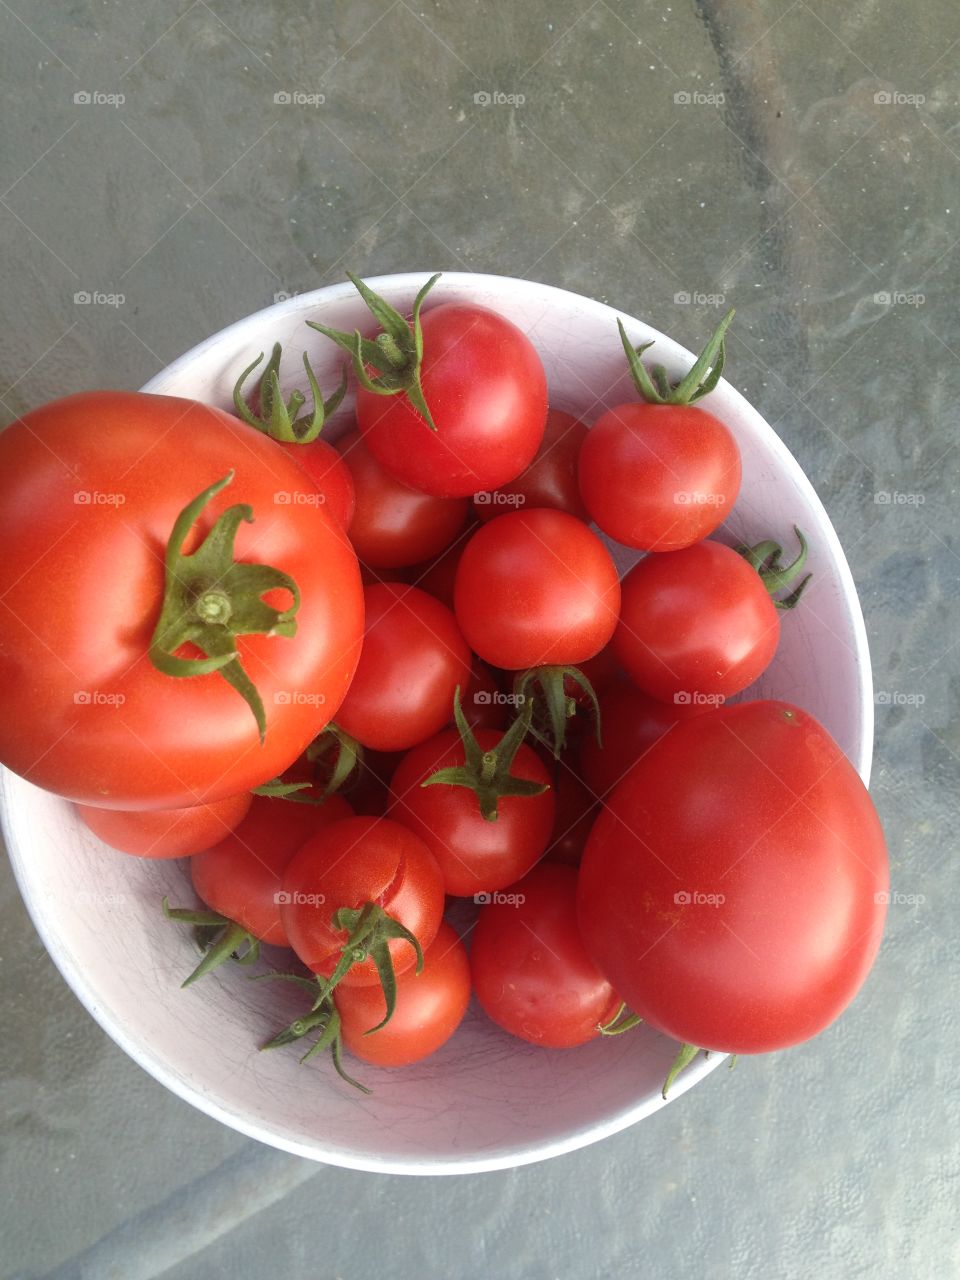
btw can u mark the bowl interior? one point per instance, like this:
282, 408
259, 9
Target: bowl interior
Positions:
486, 1100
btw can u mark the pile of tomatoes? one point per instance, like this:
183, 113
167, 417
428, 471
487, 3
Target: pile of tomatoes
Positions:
354, 681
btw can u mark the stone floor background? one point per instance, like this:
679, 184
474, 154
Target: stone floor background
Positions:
796, 156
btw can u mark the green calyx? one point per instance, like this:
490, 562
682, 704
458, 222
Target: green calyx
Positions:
209, 600
765, 558
552, 707
369, 931
322, 1018
655, 386
336, 757
623, 1020
395, 354
278, 418
685, 1055
487, 773
218, 938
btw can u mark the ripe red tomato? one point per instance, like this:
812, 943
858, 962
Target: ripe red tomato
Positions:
484, 704
394, 525
166, 833
347, 865
631, 723
536, 587
531, 972
330, 474
659, 477
733, 886
576, 813
551, 478
487, 394
91, 489
475, 855
413, 659
240, 876
430, 1006
695, 624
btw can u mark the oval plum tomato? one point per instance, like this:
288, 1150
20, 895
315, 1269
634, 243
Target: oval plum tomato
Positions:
478, 377
536, 587
393, 525
347, 866
659, 477
413, 659
430, 1006
166, 833
551, 478
632, 721
531, 972
733, 887
91, 489
576, 813
696, 625
240, 876
475, 855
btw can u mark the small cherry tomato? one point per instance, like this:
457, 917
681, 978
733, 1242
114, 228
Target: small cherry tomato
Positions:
430, 1006
531, 971
412, 661
551, 478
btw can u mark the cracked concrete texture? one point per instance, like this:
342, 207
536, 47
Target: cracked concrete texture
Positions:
803, 180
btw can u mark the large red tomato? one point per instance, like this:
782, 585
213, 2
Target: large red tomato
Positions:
733, 888
91, 489
166, 833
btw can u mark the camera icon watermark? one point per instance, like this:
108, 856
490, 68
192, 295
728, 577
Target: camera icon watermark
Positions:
694, 698
694, 498
898, 698
94, 498
894, 498
294, 898
899, 298
499, 899
694, 898
298, 498
495, 98
296, 98
297, 698
897, 899
95, 298
696, 98
894, 98
494, 498
97, 98
686, 298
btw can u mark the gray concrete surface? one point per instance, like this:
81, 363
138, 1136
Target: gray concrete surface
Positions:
820, 196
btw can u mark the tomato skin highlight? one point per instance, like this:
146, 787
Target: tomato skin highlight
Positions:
475, 856
531, 972
347, 864
241, 875
659, 477
487, 393
695, 624
166, 833
733, 888
551, 478
98, 480
394, 526
430, 1006
412, 661
536, 587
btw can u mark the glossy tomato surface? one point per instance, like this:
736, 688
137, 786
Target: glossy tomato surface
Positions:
347, 865
536, 587
166, 833
659, 477
240, 876
551, 478
487, 393
90, 489
412, 662
475, 855
430, 1006
531, 971
734, 886
393, 525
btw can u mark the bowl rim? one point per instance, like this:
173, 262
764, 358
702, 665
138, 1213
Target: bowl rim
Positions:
588, 1133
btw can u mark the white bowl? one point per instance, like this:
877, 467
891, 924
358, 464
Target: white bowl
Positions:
486, 1101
